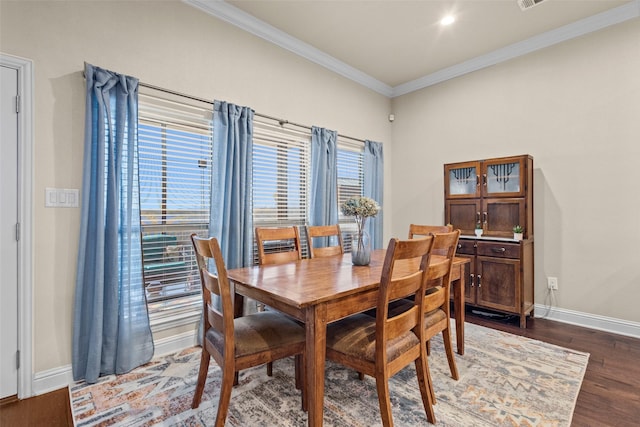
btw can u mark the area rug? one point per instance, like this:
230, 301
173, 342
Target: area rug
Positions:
505, 380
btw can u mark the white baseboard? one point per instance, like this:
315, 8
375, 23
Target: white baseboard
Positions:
586, 320
57, 378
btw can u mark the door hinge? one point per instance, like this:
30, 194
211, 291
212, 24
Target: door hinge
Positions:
17, 232
18, 359
17, 103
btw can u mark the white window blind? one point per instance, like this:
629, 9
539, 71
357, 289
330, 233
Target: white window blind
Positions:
281, 158
175, 153
350, 182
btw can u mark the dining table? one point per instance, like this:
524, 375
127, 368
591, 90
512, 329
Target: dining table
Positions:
319, 291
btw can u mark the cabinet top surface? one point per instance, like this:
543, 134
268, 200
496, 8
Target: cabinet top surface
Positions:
491, 238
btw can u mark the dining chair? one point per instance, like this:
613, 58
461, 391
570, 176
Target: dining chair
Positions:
382, 346
426, 230
327, 231
239, 343
283, 246
436, 305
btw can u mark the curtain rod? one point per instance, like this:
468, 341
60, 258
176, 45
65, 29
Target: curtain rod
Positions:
282, 122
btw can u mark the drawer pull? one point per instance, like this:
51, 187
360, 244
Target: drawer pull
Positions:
479, 277
471, 281
499, 250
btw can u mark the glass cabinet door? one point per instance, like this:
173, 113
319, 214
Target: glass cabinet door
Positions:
503, 177
462, 180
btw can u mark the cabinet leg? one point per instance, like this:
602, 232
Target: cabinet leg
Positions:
523, 321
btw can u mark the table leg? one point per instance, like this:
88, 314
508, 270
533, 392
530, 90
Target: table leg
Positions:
238, 305
458, 307
316, 341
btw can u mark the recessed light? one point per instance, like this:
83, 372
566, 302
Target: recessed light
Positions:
447, 20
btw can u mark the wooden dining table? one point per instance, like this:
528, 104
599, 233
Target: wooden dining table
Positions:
322, 290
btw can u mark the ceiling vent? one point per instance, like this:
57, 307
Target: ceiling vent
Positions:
528, 4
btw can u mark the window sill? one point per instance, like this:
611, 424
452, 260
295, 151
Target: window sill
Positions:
163, 323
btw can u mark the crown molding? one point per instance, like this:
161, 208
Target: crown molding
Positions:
249, 23
567, 32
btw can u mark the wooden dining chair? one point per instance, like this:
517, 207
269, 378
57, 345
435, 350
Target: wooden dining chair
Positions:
328, 231
238, 343
426, 230
436, 304
284, 246
382, 346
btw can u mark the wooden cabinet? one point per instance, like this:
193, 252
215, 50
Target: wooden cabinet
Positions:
498, 194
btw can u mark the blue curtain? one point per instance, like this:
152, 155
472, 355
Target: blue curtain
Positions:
324, 179
231, 212
373, 187
111, 332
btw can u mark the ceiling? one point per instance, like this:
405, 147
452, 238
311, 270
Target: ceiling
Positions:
398, 46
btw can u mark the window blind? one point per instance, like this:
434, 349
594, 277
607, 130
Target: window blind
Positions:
281, 158
175, 158
350, 157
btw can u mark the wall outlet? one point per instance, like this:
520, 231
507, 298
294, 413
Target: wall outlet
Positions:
552, 283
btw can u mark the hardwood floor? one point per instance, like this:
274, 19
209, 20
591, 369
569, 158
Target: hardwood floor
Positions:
610, 393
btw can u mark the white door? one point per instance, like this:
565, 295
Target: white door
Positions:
8, 232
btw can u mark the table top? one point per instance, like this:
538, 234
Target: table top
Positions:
312, 281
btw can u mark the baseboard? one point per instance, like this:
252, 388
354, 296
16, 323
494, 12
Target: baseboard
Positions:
57, 378
587, 320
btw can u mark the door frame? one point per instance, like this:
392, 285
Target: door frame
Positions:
25, 217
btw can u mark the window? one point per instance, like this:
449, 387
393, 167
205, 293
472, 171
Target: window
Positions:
175, 160
281, 159
175, 157
350, 182
281, 183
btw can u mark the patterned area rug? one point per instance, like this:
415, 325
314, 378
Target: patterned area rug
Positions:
505, 380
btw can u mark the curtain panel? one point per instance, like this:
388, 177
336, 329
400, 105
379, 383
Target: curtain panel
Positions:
111, 332
231, 207
373, 187
324, 180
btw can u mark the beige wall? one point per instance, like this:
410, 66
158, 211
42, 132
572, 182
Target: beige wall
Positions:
167, 44
575, 108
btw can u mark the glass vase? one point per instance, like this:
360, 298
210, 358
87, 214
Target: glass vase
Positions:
361, 249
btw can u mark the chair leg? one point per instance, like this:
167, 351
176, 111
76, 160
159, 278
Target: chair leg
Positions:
446, 337
382, 385
361, 376
429, 348
202, 378
270, 369
236, 378
228, 375
426, 388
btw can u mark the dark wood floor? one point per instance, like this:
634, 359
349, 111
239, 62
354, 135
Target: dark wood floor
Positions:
610, 393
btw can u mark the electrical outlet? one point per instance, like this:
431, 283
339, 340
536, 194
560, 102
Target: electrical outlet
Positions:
552, 283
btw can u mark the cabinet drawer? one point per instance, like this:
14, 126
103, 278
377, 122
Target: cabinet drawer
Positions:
467, 247
499, 249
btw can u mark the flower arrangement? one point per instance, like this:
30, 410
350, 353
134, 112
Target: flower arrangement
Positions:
360, 208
